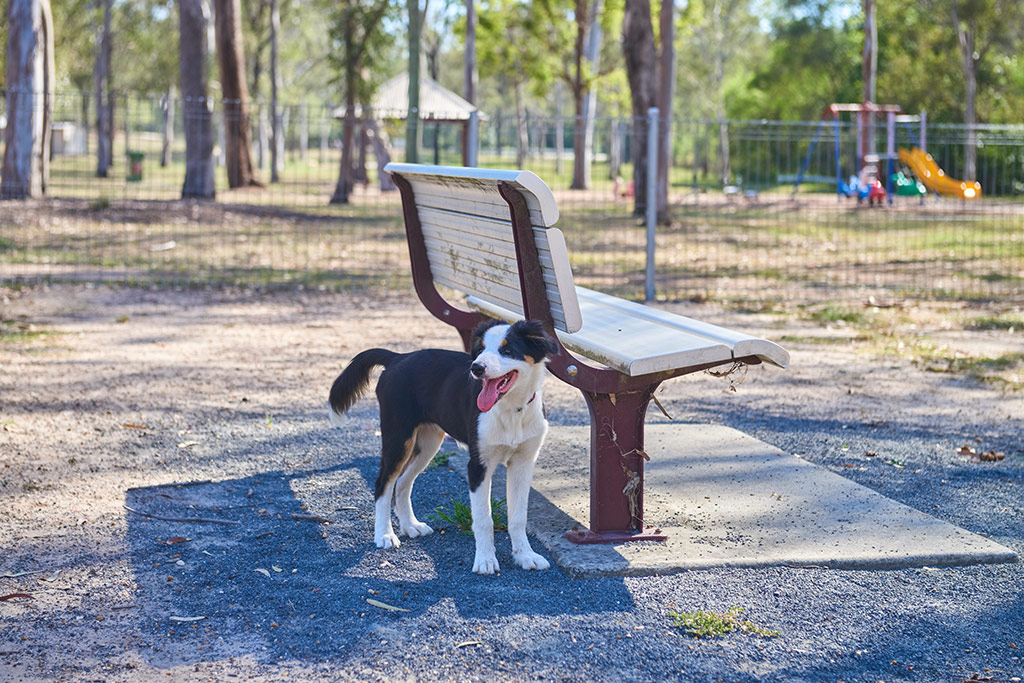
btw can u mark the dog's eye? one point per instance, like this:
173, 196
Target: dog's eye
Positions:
505, 351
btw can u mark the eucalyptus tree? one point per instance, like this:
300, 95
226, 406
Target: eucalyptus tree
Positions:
512, 49
234, 94
357, 36
29, 91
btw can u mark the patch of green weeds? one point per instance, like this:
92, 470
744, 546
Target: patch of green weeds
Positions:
461, 516
710, 624
440, 459
832, 314
19, 331
1004, 321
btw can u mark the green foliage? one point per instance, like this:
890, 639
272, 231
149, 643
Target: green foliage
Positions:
710, 624
440, 459
461, 516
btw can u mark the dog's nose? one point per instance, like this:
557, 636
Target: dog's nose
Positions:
477, 369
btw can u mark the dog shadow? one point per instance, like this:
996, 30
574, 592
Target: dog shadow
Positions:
282, 564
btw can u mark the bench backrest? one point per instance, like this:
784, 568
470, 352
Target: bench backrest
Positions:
468, 235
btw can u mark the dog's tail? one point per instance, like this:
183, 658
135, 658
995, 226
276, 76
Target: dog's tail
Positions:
351, 383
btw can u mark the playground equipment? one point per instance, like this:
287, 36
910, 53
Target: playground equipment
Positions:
919, 162
935, 179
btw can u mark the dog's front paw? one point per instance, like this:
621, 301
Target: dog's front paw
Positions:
530, 560
416, 529
485, 564
388, 540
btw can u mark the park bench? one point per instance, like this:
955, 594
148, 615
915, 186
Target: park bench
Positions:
488, 234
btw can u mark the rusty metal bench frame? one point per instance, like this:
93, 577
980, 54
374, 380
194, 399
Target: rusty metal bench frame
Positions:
617, 401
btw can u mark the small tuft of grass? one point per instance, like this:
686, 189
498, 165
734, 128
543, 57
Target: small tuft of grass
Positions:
99, 204
461, 516
440, 459
710, 624
838, 314
1005, 321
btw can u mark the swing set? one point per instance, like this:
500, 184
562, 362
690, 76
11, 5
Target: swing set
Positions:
867, 114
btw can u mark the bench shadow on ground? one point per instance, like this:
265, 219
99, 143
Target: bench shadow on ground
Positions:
275, 586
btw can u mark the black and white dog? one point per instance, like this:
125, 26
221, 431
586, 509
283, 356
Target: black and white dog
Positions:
489, 399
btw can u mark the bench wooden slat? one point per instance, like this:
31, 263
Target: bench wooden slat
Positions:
471, 204
488, 286
742, 344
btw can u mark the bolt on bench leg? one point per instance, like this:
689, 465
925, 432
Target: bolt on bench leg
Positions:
617, 469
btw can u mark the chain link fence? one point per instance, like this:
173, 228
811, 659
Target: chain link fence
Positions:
741, 230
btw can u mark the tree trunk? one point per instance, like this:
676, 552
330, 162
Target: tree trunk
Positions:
29, 91
470, 75
666, 87
560, 129
966, 38
641, 68
345, 175
591, 55
412, 126
276, 160
167, 105
723, 140
382, 151
104, 96
231, 63
361, 176
195, 105
522, 139
304, 132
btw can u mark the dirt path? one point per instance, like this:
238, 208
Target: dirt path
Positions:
107, 390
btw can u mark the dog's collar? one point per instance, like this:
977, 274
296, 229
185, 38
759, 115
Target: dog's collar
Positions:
518, 410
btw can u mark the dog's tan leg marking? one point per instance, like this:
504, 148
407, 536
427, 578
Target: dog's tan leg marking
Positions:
428, 438
383, 533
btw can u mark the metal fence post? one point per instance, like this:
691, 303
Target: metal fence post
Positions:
652, 199
473, 141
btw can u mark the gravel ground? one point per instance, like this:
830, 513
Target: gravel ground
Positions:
209, 405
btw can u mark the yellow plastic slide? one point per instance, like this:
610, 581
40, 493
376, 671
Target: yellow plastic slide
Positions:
935, 179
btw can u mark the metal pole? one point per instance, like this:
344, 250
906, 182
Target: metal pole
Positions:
473, 142
890, 164
923, 143
652, 199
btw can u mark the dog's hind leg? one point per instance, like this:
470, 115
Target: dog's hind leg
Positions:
396, 450
428, 438
520, 474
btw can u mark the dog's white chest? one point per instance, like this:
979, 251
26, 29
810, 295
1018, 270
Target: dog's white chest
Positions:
507, 426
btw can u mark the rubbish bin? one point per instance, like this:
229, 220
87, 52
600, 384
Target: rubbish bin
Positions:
135, 166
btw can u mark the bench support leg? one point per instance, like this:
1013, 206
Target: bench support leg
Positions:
617, 469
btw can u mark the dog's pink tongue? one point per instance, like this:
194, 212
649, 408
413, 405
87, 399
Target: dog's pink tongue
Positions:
488, 394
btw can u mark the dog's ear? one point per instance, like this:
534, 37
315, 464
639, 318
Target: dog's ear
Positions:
539, 344
476, 346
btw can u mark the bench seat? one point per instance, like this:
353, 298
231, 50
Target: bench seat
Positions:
639, 340
490, 235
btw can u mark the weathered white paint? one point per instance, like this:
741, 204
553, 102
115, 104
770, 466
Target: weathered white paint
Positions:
470, 246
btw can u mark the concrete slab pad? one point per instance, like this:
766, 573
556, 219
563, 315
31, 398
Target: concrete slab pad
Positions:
726, 499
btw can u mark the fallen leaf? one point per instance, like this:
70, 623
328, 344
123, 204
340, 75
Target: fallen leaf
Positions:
966, 450
871, 454
186, 618
17, 574
467, 643
129, 425
265, 572
174, 540
276, 568
384, 605
26, 595
991, 456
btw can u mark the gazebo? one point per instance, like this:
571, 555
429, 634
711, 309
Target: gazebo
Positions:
437, 104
